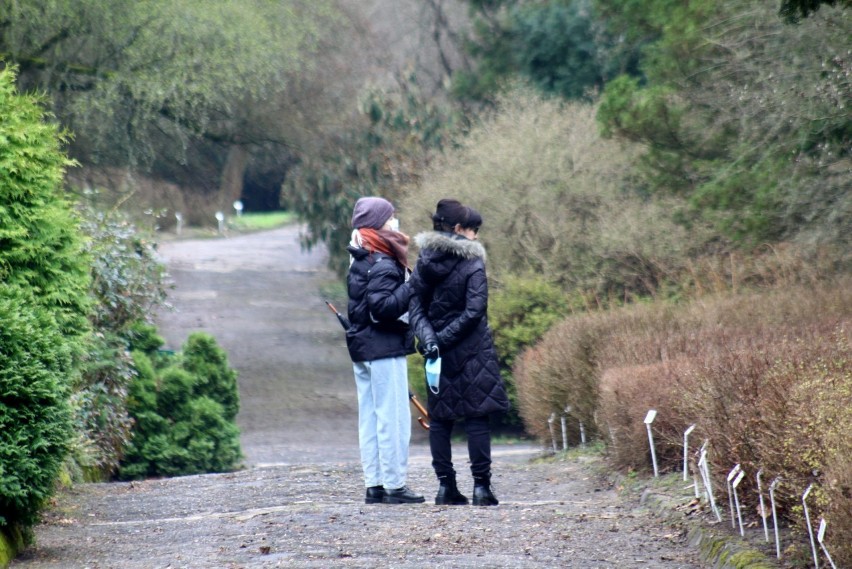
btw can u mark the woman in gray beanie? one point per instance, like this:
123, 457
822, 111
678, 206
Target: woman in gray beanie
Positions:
379, 338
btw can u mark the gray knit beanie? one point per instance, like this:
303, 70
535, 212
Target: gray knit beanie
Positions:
371, 212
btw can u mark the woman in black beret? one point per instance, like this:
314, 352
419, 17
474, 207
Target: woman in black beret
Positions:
449, 314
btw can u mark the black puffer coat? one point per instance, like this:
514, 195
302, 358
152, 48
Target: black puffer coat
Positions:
378, 297
449, 307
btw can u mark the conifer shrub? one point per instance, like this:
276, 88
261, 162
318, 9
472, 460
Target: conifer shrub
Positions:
184, 408
35, 419
44, 305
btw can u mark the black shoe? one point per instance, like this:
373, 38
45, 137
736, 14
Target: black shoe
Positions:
375, 495
483, 496
402, 496
448, 493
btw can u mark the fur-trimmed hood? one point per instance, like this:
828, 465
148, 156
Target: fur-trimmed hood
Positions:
450, 243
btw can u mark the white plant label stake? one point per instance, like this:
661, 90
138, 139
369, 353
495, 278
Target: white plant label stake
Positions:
820, 537
734, 485
810, 529
731, 475
649, 418
686, 451
704, 468
763, 513
552, 434
772, 486
695, 476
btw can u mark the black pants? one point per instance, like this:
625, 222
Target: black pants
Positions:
478, 431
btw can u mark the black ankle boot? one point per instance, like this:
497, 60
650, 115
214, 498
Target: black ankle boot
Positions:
448, 493
482, 494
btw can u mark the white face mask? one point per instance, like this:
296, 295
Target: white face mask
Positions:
394, 224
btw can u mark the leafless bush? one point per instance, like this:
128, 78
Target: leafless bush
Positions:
557, 200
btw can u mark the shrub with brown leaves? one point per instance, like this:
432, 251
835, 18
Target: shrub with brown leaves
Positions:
767, 379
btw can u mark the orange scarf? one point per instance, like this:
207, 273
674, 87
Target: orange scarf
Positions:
391, 243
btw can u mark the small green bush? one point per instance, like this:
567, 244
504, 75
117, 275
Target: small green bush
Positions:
520, 311
184, 409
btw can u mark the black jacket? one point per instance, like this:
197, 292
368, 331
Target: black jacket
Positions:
449, 306
378, 297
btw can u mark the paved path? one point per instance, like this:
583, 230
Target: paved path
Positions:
299, 502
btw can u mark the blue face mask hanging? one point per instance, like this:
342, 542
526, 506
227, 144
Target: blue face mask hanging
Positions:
433, 374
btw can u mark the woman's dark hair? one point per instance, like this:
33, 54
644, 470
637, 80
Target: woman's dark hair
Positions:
450, 213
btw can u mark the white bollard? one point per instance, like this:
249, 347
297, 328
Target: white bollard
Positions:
179, 226
649, 418
731, 475
686, 451
763, 513
810, 529
734, 485
820, 538
772, 486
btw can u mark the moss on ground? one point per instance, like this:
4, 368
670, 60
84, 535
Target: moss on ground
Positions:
11, 542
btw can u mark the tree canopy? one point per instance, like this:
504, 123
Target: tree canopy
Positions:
138, 82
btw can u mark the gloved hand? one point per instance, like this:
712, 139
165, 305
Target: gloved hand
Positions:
430, 352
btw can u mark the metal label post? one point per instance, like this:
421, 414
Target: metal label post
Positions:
772, 486
686, 451
810, 529
649, 418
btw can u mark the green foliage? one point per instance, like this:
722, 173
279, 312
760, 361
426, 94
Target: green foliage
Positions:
35, 421
558, 45
127, 286
399, 134
137, 81
40, 245
520, 312
43, 305
745, 116
794, 10
261, 221
184, 410
204, 359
